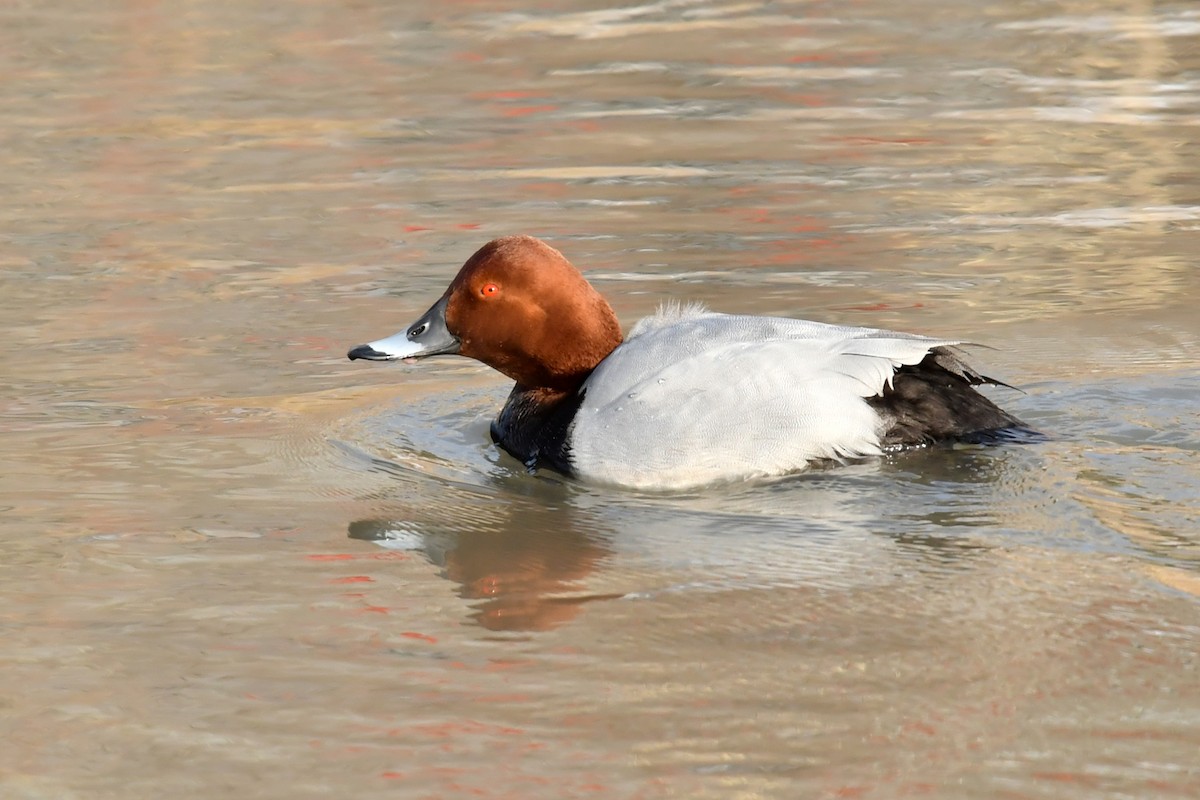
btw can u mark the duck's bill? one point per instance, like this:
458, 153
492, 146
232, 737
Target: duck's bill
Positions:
428, 336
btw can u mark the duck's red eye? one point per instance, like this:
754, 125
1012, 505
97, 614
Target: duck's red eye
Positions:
490, 290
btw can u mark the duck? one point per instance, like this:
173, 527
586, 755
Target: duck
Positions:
689, 397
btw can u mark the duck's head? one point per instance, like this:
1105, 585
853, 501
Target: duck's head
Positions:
518, 306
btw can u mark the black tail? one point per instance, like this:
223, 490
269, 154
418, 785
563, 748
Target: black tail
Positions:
935, 401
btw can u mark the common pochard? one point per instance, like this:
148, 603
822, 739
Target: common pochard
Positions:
689, 397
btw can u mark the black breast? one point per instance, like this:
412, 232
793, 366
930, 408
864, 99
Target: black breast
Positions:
535, 431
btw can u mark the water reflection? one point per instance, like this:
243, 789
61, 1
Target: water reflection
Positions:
524, 562
530, 550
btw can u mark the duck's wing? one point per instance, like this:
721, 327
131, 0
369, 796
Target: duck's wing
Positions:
712, 396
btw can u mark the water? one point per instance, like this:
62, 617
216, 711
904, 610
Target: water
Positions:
235, 564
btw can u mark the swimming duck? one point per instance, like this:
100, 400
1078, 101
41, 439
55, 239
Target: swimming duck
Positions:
689, 397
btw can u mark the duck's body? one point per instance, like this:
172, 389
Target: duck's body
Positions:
690, 397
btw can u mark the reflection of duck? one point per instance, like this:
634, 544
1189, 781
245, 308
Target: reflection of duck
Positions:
524, 573
690, 397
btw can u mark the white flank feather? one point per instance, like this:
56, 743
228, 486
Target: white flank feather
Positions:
693, 397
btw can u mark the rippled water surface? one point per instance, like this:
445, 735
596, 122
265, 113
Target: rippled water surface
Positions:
233, 564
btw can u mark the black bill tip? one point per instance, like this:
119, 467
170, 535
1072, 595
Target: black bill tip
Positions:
367, 352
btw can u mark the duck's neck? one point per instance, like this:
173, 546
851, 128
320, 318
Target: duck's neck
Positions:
534, 423
568, 352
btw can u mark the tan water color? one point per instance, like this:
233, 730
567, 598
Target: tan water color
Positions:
233, 564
